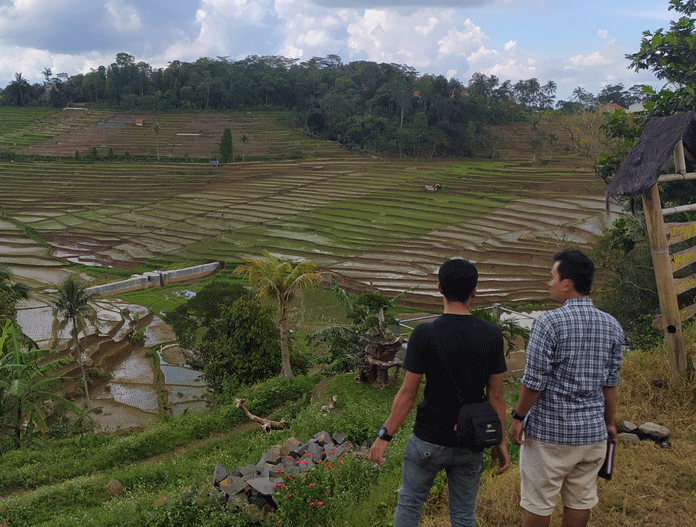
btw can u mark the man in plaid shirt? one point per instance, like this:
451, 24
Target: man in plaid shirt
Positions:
566, 407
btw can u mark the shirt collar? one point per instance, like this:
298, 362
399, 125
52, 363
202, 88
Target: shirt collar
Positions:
584, 301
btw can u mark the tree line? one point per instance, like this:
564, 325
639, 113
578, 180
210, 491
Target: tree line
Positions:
384, 108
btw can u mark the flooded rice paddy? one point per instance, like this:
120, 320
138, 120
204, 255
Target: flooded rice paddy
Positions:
129, 395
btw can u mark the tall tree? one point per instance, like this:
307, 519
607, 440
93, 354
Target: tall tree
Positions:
226, 149
281, 281
156, 128
10, 293
669, 54
74, 310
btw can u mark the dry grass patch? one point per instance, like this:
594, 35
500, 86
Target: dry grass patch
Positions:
652, 486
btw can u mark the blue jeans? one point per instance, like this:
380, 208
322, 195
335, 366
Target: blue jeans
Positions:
422, 462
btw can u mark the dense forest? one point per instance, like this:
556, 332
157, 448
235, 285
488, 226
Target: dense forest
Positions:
384, 108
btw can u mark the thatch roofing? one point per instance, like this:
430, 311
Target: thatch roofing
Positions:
649, 158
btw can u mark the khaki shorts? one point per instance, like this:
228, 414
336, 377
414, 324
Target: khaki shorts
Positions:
547, 469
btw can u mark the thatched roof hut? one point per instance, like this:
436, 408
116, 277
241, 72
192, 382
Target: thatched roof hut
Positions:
649, 158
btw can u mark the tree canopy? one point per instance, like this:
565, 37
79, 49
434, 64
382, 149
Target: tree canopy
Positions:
384, 108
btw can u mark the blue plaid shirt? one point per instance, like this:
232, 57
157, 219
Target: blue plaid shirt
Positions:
573, 352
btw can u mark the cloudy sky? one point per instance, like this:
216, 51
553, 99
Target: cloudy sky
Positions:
574, 43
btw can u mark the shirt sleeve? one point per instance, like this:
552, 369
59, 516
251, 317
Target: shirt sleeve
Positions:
616, 358
539, 353
413, 361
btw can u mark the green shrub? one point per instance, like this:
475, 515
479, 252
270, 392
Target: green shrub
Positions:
316, 497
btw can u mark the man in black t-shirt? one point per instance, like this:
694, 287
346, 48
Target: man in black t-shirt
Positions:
456, 348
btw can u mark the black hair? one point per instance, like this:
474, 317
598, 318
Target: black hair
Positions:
576, 267
458, 278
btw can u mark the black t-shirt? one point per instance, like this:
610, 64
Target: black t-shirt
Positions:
469, 351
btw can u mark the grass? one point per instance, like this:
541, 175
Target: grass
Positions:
62, 482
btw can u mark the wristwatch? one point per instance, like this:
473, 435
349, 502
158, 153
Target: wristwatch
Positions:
517, 416
383, 434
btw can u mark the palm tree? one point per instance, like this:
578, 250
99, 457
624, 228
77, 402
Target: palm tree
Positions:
25, 378
282, 281
20, 81
15, 291
10, 294
74, 309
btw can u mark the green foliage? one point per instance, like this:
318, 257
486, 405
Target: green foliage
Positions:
138, 335
316, 497
295, 395
226, 150
27, 379
370, 319
193, 507
283, 282
74, 310
110, 154
669, 54
94, 156
510, 329
241, 346
630, 295
191, 320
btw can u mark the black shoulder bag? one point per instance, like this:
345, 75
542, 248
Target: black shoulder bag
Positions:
478, 424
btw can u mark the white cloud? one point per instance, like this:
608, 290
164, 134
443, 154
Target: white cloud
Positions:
424, 30
514, 69
480, 53
462, 42
510, 45
123, 17
603, 33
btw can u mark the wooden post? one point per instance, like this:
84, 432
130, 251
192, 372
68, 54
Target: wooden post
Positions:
666, 289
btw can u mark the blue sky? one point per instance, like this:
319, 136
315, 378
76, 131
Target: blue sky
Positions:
574, 43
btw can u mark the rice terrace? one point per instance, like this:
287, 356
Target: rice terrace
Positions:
381, 224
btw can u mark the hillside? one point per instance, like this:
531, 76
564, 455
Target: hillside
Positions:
369, 220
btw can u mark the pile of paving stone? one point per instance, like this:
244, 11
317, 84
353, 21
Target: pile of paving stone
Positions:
649, 431
254, 484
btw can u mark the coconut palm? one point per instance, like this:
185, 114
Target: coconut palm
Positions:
282, 281
26, 378
15, 291
74, 310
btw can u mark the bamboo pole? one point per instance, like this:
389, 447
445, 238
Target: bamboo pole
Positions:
666, 288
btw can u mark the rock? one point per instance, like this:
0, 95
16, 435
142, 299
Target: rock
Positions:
323, 438
340, 438
628, 438
113, 487
654, 430
232, 485
263, 486
237, 501
627, 426
219, 474
248, 470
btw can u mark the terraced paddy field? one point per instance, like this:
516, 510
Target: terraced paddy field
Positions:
187, 134
370, 221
